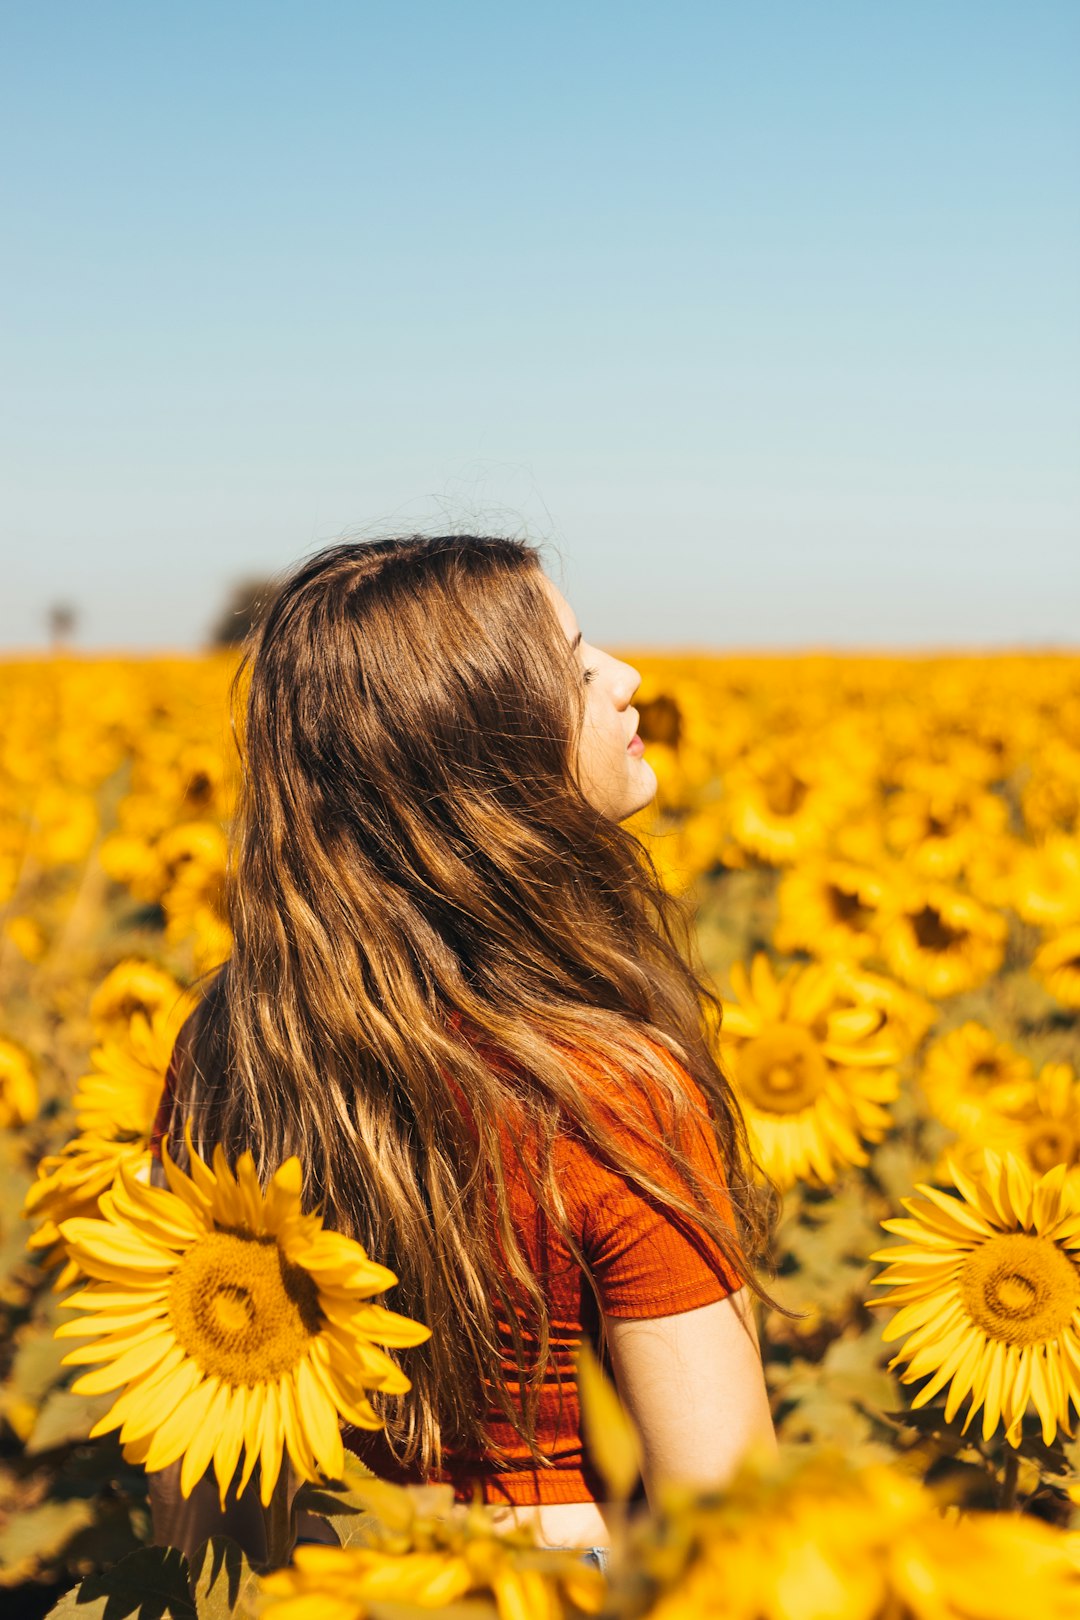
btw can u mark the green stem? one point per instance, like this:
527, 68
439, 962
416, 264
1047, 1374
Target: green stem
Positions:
278, 1519
1007, 1499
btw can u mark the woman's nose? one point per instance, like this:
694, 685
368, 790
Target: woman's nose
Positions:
629, 682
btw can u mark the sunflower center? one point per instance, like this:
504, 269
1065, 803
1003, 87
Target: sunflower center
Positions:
781, 1070
233, 1310
660, 720
1050, 1142
784, 793
1020, 1287
241, 1310
199, 792
125, 1007
932, 932
848, 908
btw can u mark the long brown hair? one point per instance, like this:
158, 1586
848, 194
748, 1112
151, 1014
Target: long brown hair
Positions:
418, 883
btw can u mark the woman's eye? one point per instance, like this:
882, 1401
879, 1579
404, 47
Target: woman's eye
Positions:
589, 675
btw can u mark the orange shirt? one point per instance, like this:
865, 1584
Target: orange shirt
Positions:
645, 1265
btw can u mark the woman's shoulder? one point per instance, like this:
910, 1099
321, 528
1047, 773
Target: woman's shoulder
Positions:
631, 1185
657, 1091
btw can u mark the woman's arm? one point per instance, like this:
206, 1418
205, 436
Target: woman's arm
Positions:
694, 1385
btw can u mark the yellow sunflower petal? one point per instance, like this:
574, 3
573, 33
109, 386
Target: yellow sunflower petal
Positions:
253, 1405
126, 1368
230, 1442
272, 1442
319, 1420
201, 1445
767, 992
174, 1435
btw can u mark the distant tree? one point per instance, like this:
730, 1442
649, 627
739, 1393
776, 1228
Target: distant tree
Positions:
245, 605
61, 618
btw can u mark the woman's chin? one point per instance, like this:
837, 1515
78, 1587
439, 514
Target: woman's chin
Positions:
643, 789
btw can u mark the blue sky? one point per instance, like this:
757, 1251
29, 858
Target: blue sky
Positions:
764, 317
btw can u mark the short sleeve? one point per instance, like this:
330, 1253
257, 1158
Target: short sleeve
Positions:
647, 1260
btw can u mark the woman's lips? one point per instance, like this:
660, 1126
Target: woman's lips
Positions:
635, 746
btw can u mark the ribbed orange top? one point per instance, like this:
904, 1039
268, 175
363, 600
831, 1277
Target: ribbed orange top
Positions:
645, 1265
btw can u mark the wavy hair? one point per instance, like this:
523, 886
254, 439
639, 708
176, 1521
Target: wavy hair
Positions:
433, 930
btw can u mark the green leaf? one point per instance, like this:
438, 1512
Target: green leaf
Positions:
838, 1395
350, 1514
820, 1416
853, 1366
149, 1584
36, 1365
829, 1241
1070, 1450
355, 1466
896, 1166
352, 1520
611, 1439
225, 1583
37, 1535
65, 1418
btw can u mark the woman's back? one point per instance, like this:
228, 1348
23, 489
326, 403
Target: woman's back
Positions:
429, 840
644, 1265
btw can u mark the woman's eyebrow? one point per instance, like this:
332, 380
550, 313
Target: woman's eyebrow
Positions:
576, 643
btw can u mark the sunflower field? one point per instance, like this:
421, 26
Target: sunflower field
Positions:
883, 858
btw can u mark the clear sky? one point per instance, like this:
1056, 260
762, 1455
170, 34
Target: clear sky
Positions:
766, 316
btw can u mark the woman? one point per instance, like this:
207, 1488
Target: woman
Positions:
457, 993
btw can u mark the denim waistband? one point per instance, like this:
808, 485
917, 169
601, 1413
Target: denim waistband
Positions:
597, 1556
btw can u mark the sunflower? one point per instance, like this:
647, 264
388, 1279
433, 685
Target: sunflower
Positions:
782, 805
684, 847
1050, 1124
69, 1183
133, 986
938, 820
230, 1322
191, 847
1050, 799
989, 1288
991, 870
680, 737
940, 941
115, 1106
816, 1538
830, 908
1057, 965
204, 785
129, 858
120, 1095
812, 1076
970, 1074
1042, 1125
18, 1088
196, 909
1046, 883
430, 1560
907, 1017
